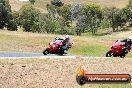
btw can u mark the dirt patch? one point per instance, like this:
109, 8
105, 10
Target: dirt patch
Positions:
16, 4
41, 4
56, 73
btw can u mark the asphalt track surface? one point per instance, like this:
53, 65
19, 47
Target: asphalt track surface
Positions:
30, 55
24, 55
19, 54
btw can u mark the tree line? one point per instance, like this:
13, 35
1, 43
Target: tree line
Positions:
65, 18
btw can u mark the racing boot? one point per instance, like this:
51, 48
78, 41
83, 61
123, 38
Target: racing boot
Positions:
125, 51
65, 51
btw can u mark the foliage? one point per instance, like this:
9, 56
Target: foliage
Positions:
57, 3
32, 1
12, 25
65, 12
116, 17
60, 15
104, 24
61, 18
51, 26
28, 16
15, 16
91, 18
130, 3
128, 12
5, 10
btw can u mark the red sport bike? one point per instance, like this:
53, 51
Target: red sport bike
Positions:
56, 48
117, 50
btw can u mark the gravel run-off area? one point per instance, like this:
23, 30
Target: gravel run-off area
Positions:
56, 73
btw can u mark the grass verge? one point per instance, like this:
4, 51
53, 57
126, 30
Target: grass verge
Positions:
33, 42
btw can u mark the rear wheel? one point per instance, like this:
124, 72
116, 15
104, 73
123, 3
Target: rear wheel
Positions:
109, 54
45, 52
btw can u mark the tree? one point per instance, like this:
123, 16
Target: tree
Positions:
28, 16
104, 23
59, 13
53, 8
116, 17
65, 13
121, 19
57, 3
50, 26
91, 16
12, 25
32, 2
5, 10
128, 12
130, 3
15, 17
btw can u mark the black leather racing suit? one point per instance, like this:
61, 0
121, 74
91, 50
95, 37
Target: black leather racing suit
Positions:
127, 45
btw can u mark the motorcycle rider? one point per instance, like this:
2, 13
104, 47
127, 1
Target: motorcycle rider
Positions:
56, 40
128, 43
64, 40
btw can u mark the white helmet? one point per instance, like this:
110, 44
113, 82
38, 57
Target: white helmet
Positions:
130, 37
67, 36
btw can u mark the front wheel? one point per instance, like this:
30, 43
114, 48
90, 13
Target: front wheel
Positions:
109, 54
45, 52
122, 56
124, 52
61, 53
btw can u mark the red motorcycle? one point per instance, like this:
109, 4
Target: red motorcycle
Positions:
55, 48
118, 49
